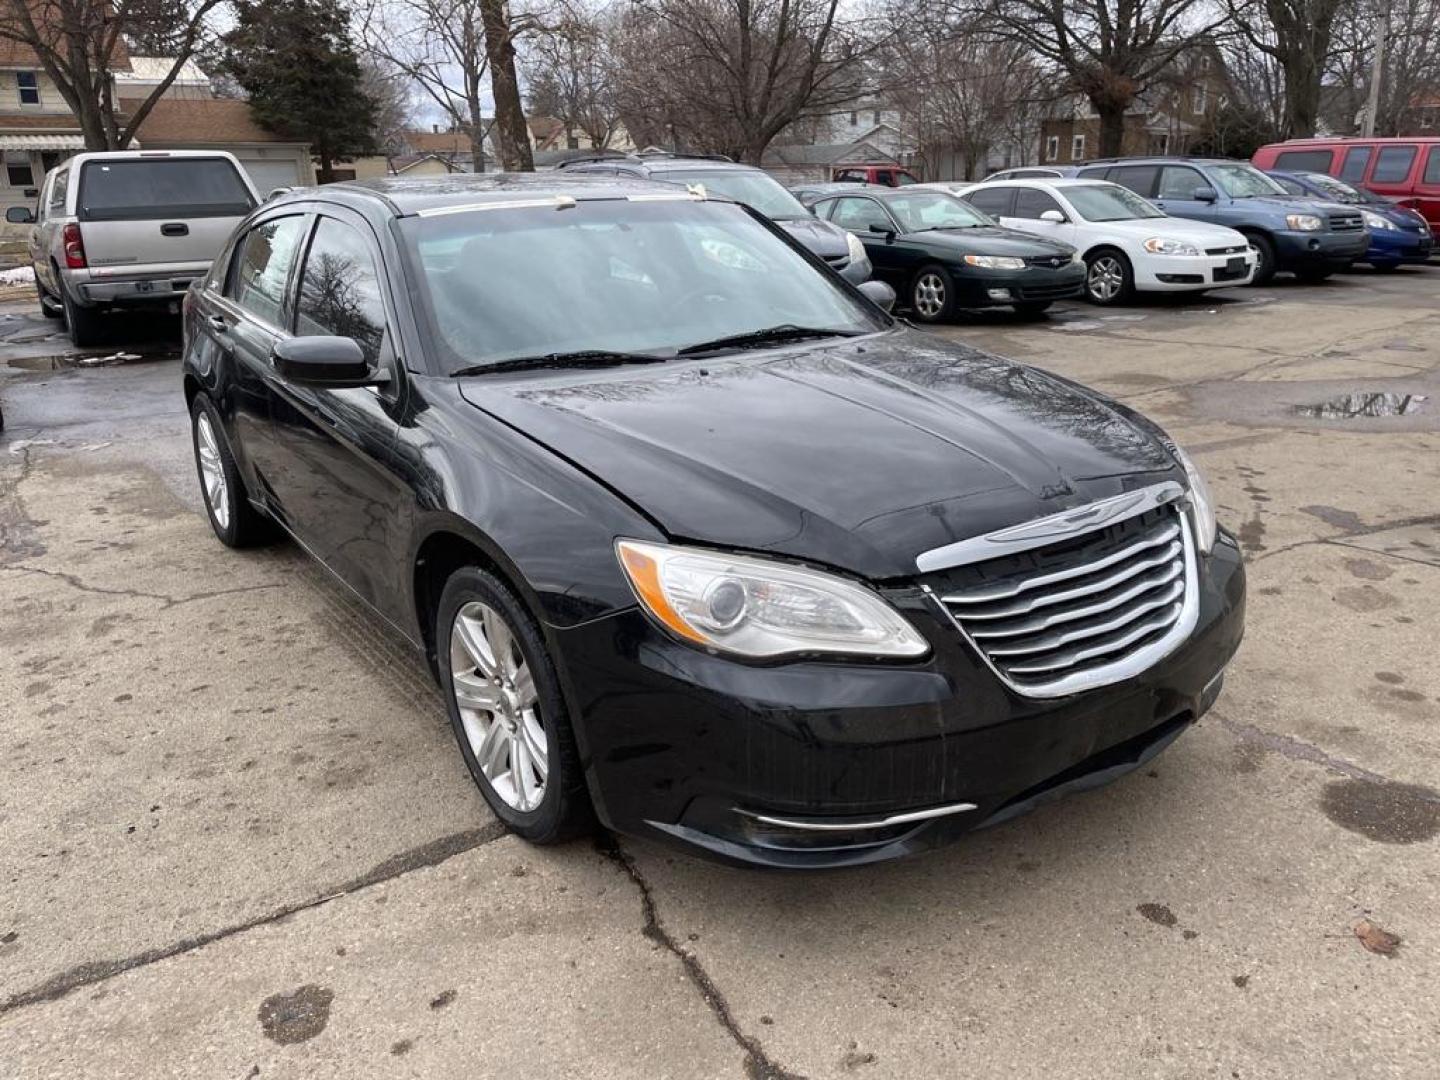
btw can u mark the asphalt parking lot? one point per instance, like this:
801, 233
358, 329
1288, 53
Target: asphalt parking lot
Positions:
236, 838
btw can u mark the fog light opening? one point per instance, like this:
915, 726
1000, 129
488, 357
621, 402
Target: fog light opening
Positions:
998, 294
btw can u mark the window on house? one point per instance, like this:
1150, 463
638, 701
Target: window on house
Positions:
18, 171
1077, 148
28, 85
854, 119
1199, 99
1052, 147
875, 117
1160, 143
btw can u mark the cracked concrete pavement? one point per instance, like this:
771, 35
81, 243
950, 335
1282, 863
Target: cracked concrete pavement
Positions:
236, 838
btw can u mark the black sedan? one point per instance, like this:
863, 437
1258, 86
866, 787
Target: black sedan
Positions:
697, 539
943, 255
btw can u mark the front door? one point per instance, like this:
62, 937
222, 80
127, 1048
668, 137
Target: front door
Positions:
341, 494
868, 220
1176, 191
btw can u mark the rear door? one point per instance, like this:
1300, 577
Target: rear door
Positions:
1391, 171
339, 488
158, 215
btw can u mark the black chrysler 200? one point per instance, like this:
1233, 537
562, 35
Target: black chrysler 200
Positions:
696, 537
942, 254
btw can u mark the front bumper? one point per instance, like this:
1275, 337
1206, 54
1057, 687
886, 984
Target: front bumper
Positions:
1176, 273
800, 764
1305, 249
1391, 247
977, 288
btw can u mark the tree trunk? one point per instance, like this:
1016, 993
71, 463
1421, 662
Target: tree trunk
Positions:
327, 166
1112, 130
511, 135
1302, 95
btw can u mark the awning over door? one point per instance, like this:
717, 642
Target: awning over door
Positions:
42, 142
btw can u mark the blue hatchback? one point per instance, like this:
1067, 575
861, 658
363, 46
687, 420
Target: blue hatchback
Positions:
1397, 235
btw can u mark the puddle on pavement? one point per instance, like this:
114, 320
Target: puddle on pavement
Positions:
1355, 406
67, 362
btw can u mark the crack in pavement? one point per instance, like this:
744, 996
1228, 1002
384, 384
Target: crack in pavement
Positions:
429, 854
1339, 540
1287, 746
758, 1064
167, 602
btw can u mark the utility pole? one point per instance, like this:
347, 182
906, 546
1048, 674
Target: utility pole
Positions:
1372, 104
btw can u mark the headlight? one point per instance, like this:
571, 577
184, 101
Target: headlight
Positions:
1375, 221
1304, 222
1160, 245
995, 262
759, 608
857, 249
1202, 506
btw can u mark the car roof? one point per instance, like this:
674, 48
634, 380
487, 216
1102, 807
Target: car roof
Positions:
403, 196
1058, 182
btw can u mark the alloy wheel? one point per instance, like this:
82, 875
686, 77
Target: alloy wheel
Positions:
1105, 278
929, 295
499, 706
212, 470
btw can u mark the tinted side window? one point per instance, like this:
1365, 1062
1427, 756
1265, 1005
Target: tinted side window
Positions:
57, 192
1432, 166
1356, 158
262, 267
1305, 161
995, 201
1179, 182
1393, 164
1138, 178
1030, 203
858, 215
340, 290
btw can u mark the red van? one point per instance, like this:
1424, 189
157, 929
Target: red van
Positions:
886, 175
1406, 170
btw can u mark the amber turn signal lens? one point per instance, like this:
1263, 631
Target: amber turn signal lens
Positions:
644, 575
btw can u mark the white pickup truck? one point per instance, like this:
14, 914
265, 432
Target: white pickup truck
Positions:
130, 229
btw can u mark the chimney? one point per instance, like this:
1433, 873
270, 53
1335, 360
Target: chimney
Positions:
434, 129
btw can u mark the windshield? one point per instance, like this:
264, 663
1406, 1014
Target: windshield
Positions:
1241, 181
1110, 202
651, 276
919, 210
1334, 189
757, 190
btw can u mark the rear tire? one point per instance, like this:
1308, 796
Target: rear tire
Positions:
1109, 278
514, 732
932, 295
1264, 259
236, 522
86, 325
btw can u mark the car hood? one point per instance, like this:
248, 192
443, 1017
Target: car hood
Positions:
822, 237
1300, 204
856, 453
1197, 232
991, 240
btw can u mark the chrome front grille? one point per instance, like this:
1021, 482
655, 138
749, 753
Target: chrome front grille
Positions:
1085, 610
1346, 221
1234, 249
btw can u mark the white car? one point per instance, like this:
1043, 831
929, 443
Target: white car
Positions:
1127, 242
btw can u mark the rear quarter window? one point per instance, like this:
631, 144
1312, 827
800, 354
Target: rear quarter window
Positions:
1305, 160
140, 189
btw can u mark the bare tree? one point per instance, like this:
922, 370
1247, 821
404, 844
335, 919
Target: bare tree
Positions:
730, 75
1109, 50
447, 47
1296, 34
79, 44
389, 89
571, 76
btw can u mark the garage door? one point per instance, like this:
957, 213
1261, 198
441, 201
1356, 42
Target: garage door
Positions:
268, 175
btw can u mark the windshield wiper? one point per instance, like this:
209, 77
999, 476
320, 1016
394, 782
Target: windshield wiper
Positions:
773, 335
581, 358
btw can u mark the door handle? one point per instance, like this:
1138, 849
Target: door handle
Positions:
218, 324
174, 228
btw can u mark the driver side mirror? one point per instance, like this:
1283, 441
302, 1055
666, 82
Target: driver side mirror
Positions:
325, 361
20, 215
879, 293
1055, 217
1204, 193
884, 230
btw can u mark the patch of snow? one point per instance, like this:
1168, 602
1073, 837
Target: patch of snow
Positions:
20, 275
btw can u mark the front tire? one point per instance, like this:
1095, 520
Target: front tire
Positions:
1264, 259
236, 522
505, 706
86, 325
1109, 278
932, 295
